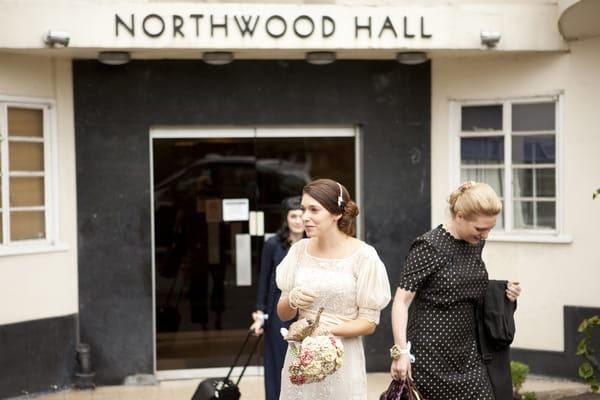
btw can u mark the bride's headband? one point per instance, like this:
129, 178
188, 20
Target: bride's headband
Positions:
340, 198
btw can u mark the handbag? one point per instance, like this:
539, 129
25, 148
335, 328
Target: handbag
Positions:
402, 390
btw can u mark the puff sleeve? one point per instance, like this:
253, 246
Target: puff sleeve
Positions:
373, 286
285, 274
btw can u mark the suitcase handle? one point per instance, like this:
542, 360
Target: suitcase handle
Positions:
237, 357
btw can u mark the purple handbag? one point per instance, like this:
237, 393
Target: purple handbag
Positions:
402, 390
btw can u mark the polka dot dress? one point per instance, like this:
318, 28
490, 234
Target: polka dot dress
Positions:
449, 277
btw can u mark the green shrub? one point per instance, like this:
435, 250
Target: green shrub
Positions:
518, 372
587, 370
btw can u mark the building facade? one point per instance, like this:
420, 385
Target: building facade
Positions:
145, 148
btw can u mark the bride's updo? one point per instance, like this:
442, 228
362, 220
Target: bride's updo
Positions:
335, 198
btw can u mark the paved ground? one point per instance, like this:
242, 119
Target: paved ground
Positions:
554, 389
252, 389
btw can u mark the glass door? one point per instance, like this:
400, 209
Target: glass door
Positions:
217, 194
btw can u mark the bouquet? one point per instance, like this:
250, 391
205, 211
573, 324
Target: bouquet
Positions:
315, 353
315, 359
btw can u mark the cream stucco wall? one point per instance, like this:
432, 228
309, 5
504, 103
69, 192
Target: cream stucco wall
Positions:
552, 274
43, 285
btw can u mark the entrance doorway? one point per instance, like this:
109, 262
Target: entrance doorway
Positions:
217, 198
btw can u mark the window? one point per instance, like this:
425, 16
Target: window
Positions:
25, 154
512, 145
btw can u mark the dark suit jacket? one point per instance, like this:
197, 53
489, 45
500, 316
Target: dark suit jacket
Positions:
495, 333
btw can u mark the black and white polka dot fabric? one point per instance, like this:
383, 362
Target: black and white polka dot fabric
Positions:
449, 277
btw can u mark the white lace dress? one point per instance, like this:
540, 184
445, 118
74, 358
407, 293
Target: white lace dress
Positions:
349, 288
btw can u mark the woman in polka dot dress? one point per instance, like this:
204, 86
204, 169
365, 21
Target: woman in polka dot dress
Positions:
444, 278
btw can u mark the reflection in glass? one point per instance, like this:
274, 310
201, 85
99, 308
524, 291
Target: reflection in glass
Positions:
523, 215
534, 182
27, 225
481, 118
25, 122
492, 176
26, 192
482, 150
26, 156
534, 214
534, 149
202, 313
545, 182
523, 182
533, 117
546, 214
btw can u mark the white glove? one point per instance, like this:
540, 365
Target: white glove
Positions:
302, 298
259, 321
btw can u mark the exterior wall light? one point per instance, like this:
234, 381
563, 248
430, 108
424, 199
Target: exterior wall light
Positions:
114, 57
53, 38
320, 57
217, 57
489, 38
411, 57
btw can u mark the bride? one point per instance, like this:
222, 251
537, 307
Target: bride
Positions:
344, 275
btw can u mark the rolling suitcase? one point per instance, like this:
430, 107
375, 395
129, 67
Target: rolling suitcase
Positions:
225, 388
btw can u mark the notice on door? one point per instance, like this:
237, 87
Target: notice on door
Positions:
236, 209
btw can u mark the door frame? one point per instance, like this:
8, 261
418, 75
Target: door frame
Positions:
232, 132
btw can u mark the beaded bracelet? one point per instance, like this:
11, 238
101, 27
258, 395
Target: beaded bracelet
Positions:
396, 352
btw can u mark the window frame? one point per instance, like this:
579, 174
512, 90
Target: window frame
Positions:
51, 240
509, 233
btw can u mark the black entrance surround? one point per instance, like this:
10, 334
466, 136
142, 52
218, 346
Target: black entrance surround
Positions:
114, 110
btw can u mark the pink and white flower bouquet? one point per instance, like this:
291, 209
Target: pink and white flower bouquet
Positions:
315, 358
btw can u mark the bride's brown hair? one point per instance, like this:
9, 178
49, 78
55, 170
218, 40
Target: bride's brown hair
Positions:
336, 199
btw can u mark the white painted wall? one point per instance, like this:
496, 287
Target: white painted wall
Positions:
43, 285
552, 275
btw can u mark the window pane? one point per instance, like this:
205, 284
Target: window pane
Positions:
546, 214
26, 192
545, 182
25, 122
26, 156
478, 118
523, 182
533, 117
27, 225
492, 176
523, 218
484, 150
535, 149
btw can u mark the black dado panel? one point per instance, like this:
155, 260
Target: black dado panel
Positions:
37, 356
114, 110
561, 364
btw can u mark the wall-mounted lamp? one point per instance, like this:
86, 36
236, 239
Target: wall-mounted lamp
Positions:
217, 57
114, 57
320, 57
411, 57
489, 38
53, 38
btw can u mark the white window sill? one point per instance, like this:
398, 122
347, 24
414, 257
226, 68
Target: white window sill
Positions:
22, 249
531, 238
